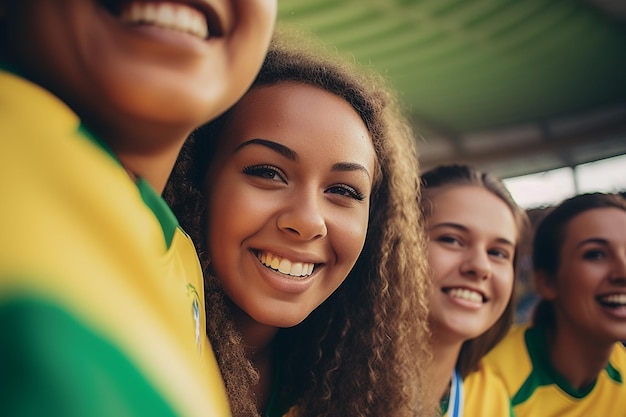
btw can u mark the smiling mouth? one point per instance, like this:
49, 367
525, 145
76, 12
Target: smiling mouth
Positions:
180, 17
465, 294
613, 300
284, 265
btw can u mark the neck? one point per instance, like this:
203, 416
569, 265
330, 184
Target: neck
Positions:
154, 169
445, 356
578, 360
145, 150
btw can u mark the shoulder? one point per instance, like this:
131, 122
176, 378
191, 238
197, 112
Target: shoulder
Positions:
485, 394
618, 356
511, 359
511, 346
616, 369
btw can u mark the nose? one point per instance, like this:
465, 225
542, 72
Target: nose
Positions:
476, 264
303, 218
618, 272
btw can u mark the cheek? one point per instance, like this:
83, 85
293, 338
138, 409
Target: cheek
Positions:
579, 281
348, 234
439, 261
505, 285
230, 211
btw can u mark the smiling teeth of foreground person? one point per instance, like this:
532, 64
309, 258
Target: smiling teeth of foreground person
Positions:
168, 15
285, 266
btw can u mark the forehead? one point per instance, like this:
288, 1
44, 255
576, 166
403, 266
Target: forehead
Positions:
473, 207
607, 222
273, 105
300, 116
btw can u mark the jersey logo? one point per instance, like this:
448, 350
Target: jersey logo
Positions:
195, 312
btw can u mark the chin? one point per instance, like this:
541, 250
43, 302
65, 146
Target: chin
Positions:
279, 320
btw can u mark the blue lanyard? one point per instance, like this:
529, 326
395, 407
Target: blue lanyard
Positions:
455, 408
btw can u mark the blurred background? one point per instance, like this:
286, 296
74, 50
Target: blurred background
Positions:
532, 90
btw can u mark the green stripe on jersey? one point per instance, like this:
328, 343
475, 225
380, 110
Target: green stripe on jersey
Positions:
51, 364
151, 198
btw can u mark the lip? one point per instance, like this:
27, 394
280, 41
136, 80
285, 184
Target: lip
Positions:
285, 283
618, 313
615, 312
465, 303
291, 255
215, 14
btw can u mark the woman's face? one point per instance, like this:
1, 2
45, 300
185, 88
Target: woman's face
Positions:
288, 196
137, 61
589, 293
472, 237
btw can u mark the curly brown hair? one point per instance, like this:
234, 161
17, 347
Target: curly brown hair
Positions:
459, 175
365, 350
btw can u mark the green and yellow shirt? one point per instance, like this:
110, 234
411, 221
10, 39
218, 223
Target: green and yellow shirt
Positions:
536, 389
483, 394
101, 293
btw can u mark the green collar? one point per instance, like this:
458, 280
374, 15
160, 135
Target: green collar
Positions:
150, 197
539, 354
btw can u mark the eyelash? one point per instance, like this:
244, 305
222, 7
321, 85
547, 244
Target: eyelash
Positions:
262, 171
453, 240
594, 254
448, 239
348, 191
270, 172
500, 253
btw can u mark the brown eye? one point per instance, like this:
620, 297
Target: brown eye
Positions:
594, 254
499, 253
268, 172
347, 191
450, 240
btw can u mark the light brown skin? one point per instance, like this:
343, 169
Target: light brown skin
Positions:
339, 361
472, 245
311, 206
140, 89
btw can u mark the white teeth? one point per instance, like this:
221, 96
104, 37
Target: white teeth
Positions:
285, 266
465, 294
296, 268
173, 16
614, 299
275, 263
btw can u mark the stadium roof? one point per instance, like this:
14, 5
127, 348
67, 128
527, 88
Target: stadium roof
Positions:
515, 87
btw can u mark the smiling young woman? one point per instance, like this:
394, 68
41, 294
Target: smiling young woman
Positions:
570, 361
474, 229
305, 212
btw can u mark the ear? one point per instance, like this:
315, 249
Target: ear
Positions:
545, 285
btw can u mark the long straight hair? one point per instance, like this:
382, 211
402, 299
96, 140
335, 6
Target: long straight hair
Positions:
461, 175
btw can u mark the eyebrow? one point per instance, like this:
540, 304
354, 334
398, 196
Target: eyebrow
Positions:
293, 156
597, 240
350, 166
277, 147
465, 229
